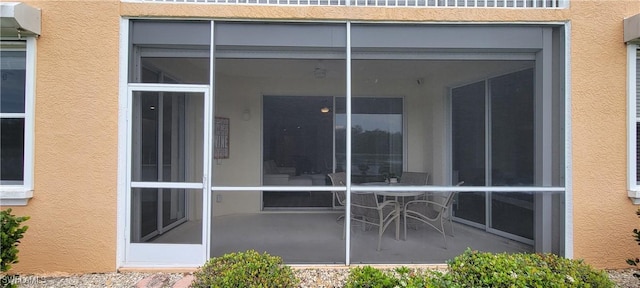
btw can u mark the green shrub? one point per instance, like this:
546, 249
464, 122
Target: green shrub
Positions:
245, 269
10, 235
479, 269
369, 277
636, 237
425, 278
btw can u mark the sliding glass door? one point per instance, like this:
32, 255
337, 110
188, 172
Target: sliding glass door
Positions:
160, 156
468, 147
297, 149
493, 145
512, 152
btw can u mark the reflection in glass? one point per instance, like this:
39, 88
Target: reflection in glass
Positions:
512, 157
512, 129
12, 87
167, 137
12, 151
468, 151
297, 149
376, 138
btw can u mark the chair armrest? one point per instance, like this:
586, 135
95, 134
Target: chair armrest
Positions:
426, 202
388, 202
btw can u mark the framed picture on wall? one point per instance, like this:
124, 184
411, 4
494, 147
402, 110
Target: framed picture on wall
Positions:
221, 138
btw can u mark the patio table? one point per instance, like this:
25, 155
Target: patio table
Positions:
397, 194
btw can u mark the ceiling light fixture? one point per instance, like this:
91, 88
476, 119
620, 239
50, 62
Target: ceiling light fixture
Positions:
320, 73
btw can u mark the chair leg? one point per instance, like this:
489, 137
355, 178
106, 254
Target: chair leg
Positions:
450, 218
451, 225
380, 230
383, 226
444, 235
344, 224
405, 225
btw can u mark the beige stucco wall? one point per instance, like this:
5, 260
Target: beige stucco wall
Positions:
73, 211
73, 224
603, 215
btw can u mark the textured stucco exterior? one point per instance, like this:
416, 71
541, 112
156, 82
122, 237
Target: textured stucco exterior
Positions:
72, 226
74, 208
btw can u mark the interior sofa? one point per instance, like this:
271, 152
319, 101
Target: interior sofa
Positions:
273, 175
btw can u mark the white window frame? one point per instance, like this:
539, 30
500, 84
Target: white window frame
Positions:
19, 195
633, 189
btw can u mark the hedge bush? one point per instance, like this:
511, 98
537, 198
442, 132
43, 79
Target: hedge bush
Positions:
11, 231
245, 269
636, 236
369, 277
470, 269
482, 269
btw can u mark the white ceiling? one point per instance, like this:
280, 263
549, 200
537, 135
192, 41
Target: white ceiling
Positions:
195, 70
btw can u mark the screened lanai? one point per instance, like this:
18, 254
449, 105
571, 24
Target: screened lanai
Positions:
236, 127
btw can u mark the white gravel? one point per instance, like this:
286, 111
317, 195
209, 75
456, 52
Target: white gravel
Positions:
624, 278
309, 277
114, 280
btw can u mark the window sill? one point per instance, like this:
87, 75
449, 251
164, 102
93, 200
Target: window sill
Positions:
15, 196
634, 195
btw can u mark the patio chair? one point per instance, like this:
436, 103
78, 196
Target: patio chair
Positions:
339, 179
415, 178
366, 209
449, 211
430, 211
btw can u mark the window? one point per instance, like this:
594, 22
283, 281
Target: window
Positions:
633, 89
16, 121
493, 126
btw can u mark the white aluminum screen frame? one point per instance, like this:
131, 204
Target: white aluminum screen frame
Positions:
146, 254
124, 134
